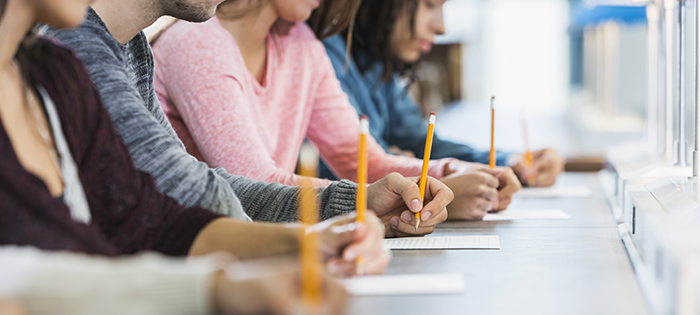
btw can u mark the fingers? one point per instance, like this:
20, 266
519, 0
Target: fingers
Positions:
369, 247
438, 196
407, 188
338, 233
406, 226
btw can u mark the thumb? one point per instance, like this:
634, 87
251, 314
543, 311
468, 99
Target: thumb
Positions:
408, 190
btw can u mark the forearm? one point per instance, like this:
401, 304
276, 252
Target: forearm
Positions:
50, 283
274, 202
246, 240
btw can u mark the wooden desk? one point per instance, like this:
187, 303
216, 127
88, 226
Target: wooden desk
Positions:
576, 266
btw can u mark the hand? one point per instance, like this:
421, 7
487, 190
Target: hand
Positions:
547, 165
342, 240
476, 193
11, 308
507, 186
271, 286
396, 199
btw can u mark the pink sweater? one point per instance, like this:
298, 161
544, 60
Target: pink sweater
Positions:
226, 118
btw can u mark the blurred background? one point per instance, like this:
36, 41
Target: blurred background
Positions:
575, 70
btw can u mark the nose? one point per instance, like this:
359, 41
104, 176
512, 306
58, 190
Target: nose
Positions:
438, 23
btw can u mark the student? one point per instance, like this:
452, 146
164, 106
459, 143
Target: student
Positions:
388, 39
245, 88
119, 60
68, 184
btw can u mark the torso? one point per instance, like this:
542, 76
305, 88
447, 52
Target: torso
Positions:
24, 122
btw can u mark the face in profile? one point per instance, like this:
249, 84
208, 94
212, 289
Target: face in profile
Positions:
295, 10
60, 13
408, 46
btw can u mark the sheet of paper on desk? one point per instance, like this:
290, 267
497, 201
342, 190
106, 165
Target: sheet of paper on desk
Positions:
528, 214
423, 284
444, 242
555, 192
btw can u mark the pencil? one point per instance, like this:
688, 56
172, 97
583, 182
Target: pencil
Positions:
361, 201
426, 160
492, 153
529, 160
310, 255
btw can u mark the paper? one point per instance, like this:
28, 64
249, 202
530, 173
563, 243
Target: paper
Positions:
527, 214
555, 192
444, 242
423, 284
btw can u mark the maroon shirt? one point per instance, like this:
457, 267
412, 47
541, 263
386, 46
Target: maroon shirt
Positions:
128, 213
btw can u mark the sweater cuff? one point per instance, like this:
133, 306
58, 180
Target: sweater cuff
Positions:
185, 293
338, 198
437, 167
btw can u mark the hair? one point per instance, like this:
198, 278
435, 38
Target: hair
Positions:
374, 24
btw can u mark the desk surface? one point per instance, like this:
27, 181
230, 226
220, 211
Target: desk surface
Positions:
576, 266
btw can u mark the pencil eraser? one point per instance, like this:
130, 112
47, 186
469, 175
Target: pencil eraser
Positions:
363, 117
432, 113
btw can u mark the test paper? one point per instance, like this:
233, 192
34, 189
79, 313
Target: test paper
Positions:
527, 214
423, 284
555, 192
444, 242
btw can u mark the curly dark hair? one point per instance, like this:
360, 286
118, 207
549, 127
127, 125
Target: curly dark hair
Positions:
374, 24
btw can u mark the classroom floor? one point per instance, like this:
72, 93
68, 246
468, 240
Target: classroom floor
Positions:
575, 266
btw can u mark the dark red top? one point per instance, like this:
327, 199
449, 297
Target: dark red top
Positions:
128, 213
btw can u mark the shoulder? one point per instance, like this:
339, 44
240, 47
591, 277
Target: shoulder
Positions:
298, 37
186, 36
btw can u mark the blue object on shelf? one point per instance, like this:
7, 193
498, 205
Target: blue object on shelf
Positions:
585, 15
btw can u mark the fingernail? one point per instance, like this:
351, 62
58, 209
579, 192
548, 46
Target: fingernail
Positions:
425, 216
349, 255
394, 222
406, 217
416, 205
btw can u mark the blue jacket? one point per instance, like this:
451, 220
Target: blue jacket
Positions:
394, 117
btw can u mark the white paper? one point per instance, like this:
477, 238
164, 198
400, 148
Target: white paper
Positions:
555, 192
422, 284
444, 242
528, 214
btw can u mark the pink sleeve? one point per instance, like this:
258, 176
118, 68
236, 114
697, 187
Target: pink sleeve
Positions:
200, 80
334, 129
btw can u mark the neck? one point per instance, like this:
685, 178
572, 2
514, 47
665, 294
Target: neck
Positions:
16, 22
250, 31
126, 18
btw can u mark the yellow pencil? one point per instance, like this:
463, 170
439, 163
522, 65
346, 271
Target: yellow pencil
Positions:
310, 255
361, 201
492, 153
426, 161
529, 160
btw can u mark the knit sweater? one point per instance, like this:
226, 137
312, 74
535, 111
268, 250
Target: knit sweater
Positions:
128, 214
123, 74
61, 283
227, 118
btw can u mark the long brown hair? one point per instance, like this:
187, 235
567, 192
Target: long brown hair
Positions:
374, 24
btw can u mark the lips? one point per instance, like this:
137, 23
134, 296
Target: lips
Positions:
425, 46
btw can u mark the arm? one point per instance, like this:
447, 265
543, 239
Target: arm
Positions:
334, 129
273, 202
408, 130
152, 148
76, 284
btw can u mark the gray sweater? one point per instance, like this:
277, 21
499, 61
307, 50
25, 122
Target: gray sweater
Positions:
123, 74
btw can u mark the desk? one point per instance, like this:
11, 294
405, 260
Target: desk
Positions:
576, 266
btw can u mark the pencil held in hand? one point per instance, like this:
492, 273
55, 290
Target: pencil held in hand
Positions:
492, 153
426, 161
361, 201
310, 253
